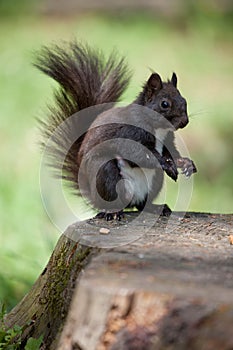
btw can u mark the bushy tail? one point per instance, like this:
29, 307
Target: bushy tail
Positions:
85, 79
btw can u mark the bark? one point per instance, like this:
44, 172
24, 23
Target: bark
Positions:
44, 308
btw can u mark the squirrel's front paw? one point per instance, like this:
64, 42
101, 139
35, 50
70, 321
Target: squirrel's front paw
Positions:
169, 166
187, 166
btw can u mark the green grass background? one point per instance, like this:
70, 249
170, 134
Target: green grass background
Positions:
198, 49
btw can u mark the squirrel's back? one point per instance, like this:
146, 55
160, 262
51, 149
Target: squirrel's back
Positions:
85, 79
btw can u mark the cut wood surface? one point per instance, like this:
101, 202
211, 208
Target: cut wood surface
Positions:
153, 284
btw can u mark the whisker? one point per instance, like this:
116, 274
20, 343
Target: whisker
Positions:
196, 114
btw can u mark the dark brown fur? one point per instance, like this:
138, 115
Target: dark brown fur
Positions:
78, 146
85, 79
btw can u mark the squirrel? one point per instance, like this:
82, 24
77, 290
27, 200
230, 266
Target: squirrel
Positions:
114, 156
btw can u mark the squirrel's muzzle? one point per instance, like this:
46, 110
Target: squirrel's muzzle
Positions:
181, 122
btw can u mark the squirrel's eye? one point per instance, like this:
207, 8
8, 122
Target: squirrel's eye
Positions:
165, 104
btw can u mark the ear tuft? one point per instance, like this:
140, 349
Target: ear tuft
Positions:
155, 82
174, 79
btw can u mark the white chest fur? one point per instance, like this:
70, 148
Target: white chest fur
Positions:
160, 135
138, 182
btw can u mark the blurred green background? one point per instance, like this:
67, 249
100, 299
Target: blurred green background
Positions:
192, 38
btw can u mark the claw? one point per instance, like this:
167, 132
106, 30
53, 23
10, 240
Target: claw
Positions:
187, 166
110, 216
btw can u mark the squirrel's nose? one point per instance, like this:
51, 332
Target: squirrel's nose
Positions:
183, 121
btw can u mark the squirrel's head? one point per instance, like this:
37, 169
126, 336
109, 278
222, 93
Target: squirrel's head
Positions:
165, 98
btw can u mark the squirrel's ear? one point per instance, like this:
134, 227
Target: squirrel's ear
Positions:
174, 80
155, 82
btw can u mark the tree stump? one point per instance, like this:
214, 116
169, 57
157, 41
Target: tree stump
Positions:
138, 284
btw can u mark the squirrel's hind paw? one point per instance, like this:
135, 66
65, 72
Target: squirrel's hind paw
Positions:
119, 215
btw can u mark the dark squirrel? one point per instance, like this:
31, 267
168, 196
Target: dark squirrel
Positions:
115, 156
